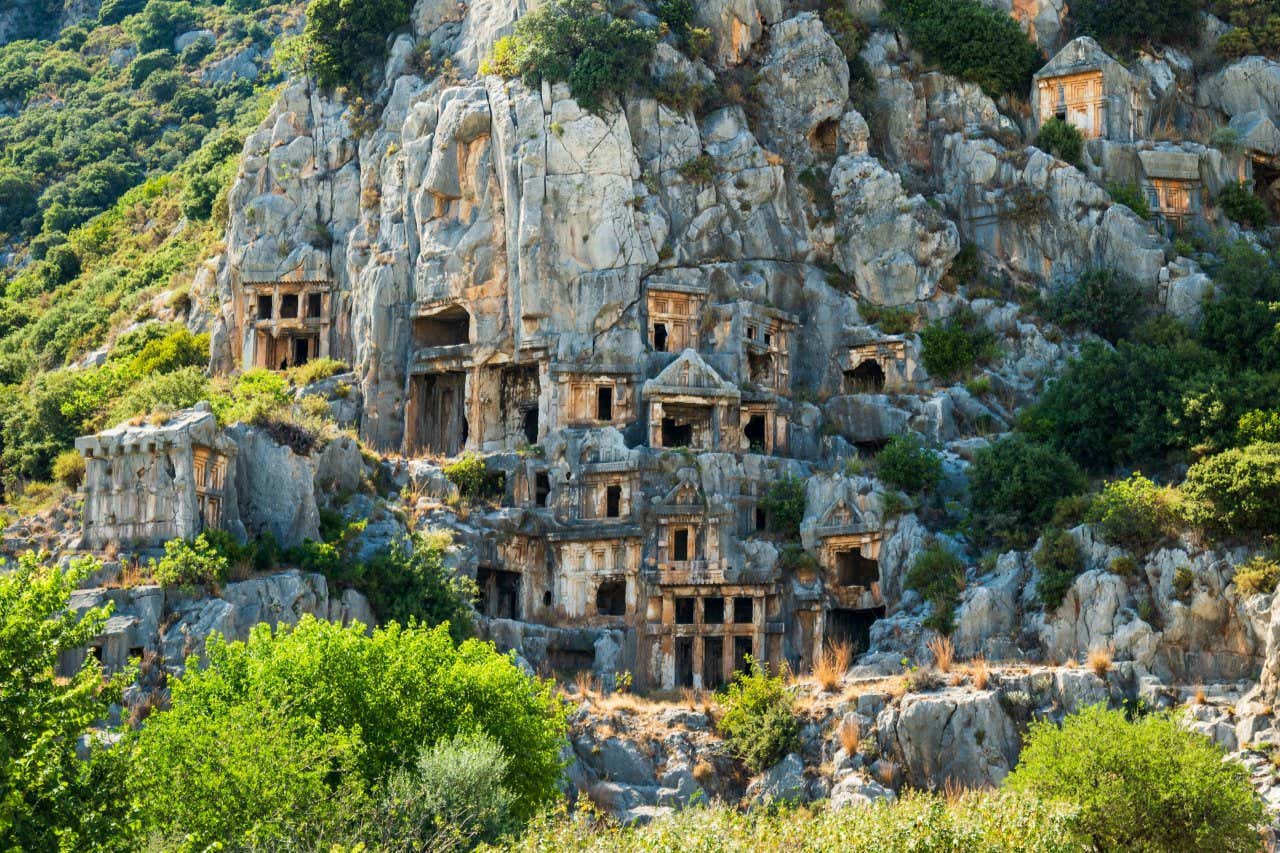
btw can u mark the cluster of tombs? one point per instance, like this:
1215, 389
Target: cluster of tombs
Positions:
1118, 114
614, 528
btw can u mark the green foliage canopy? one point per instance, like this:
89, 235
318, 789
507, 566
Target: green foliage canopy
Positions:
356, 707
1147, 785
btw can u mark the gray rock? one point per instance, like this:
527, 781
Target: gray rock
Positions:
782, 783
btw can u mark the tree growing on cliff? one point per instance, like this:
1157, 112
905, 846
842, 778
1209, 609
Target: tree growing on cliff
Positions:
345, 40
577, 42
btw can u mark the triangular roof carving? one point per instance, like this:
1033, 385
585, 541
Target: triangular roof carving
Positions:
689, 374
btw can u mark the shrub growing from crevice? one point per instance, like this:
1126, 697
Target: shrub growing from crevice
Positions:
759, 722
939, 576
1240, 205
783, 505
1131, 196
955, 345
1059, 561
1257, 576
905, 463
1062, 140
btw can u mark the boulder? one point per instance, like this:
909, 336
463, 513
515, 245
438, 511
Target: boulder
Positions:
784, 782
275, 487
958, 736
895, 246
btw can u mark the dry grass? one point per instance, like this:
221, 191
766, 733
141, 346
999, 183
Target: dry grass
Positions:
850, 734
1099, 661
1201, 697
952, 790
980, 670
704, 772
943, 651
583, 684
830, 667
885, 772
691, 697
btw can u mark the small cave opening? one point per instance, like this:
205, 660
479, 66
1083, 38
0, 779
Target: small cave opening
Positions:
867, 378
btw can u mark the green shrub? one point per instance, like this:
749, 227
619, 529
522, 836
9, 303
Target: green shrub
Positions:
1062, 140
1258, 576
1131, 196
1258, 426
952, 346
452, 798
970, 41
577, 42
1135, 513
847, 30
1236, 492
1015, 484
699, 170
783, 505
1183, 580
69, 468
316, 716
759, 722
1145, 784
1059, 561
345, 40
939, 576
468, 472
1124, 566
410, 582
891, 320
1240, 205
316, 370
190, 563
257, 396
1127, 406
161, 392
52, 798
1109, 304
1123, 27
159, 22
906, 464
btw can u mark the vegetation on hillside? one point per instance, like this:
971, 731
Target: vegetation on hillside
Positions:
970, 40
578, 42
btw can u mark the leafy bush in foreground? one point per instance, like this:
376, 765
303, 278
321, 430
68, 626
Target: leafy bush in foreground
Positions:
317, 716
1147, 784
759, 719
51, 798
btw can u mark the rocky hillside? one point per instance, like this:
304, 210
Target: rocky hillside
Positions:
675, 337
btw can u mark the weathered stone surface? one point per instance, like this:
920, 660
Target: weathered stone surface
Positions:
895, 246
275, 488
957, 736
782, 783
